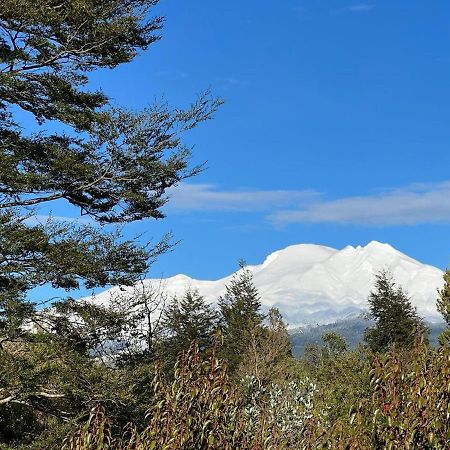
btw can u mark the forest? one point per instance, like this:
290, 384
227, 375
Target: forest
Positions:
149, 371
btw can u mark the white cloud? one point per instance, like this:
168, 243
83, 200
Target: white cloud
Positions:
232, 82
355, 8
360, 7
426, 203
412, 205
207, 197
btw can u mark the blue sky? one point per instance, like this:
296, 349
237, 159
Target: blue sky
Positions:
335, 128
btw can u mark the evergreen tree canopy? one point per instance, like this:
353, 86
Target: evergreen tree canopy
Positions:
186, 320
60, 140
396, 320
112, 164
443, 301
443, 306
240, 313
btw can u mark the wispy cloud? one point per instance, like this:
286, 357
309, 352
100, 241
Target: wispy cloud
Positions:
361, 7
232, 82
426, 203
355, 8
208, 197
411, 205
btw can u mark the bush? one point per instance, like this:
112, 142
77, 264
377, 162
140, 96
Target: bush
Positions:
200, 409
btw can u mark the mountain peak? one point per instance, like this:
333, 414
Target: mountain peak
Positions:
313, 284
297, 255
380, 245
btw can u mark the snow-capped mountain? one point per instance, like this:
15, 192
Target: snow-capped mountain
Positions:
316, 284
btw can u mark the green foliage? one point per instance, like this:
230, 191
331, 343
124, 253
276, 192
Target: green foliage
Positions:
443, 301
334, 343
411, 403
200, 409
83, 325
84, 376
240, 316
64, 255
351, 329
396, 320
95, 434
268, 355
46, 384
186, 320
341, 375
112, 165
444, 337
405, 405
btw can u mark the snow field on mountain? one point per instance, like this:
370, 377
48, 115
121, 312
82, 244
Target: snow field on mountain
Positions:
313, 284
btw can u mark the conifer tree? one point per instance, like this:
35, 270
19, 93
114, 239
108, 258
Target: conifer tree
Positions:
396, 320
240, 315
278, 333
443, 301
186, 320
443, 306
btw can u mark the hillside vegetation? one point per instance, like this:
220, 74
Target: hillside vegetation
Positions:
147, 371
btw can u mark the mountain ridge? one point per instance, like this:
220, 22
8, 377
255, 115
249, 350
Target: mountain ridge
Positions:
315, 284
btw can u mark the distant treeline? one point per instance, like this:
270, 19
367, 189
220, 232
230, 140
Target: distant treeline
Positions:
351, 329
148, 372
